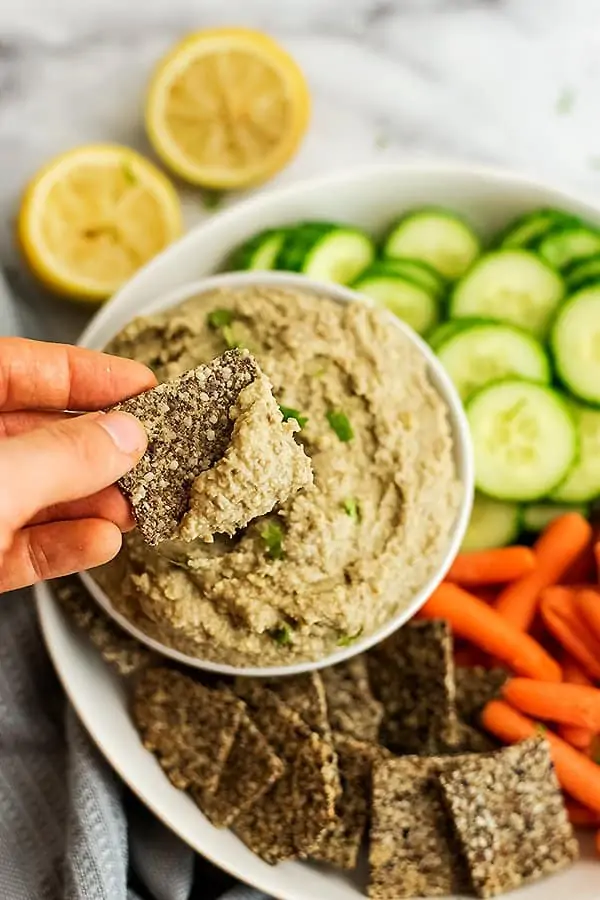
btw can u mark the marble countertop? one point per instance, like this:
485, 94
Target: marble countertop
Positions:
507, 82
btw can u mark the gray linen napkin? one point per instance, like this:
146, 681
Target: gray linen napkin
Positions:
69, 829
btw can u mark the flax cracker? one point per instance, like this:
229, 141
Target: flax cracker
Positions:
413, 852
189, 428
189, 727
353, 710
117, 648
476, 686
412, 674
510, 817
290, 818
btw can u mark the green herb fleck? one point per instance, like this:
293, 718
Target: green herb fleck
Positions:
340, 423
565, 101
288, 413
217, 318
272, 535
541, 728
352, 508
128, 173
229, 337
281, 635
212, 199
347, 640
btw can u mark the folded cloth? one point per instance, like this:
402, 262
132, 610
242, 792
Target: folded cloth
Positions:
69, 829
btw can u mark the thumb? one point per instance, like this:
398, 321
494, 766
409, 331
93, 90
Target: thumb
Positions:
66, 461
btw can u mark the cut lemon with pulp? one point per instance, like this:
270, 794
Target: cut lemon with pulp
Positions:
227, 108
93, 216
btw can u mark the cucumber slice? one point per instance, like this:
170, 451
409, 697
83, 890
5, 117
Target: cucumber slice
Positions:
326, 252
528, 229
492, 524
407, 300
583, 273
481, 354
561, 248
582, 484
524, 440
537, 516
260, 252
575, 344
513, 286
436, 237
447, 330
416, 271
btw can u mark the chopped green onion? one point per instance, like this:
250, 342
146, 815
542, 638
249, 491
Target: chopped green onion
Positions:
128, 173
272, 535
218, 318
288, 413
212, 199
352, 508
347, 640
281, 635
229, 337
541, 728
340, 423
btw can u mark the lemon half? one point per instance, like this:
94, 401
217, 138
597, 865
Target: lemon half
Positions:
93, 216
227, 108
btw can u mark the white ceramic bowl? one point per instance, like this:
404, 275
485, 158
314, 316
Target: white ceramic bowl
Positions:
462, 455
369, 197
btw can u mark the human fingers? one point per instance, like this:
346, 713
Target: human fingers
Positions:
65, 462
56, 549
24, 420
38, 375
109, 504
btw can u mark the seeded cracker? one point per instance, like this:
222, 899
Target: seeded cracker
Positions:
412, 674
510, 817
341, 843
476, 686
306, 695
189, 428
189, 727
413, 852
353, 710
251, 768
289, 819
125, 653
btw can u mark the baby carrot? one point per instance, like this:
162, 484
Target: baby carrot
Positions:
474, 620
557, 606
597, 558
583, 569
581, 816
576, 736
491, 566
577, 774
572, 704
588, 603
556, 548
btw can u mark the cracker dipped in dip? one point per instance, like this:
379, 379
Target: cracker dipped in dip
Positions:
346, 552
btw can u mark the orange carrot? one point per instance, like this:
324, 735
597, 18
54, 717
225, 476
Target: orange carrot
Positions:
597, 558
557, 606
471, 656
581, 816
472, 619
571, 704
491, 566
583, 569
588, 603
597, 843
580, 738
556, 548
577, 774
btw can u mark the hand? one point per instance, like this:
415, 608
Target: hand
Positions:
60, 510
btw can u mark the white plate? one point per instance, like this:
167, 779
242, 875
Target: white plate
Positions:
368, 197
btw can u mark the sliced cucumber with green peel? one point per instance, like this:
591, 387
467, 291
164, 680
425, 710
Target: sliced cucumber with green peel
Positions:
524, 440
562, 248
537, 516
492, 524
407, 300
326, 252
583, 273
416, 271
260, 252
513, 286
529, 229
575, 344
480, 354
582, 484
443, 332
436, 237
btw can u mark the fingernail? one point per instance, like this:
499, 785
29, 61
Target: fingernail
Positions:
126, 431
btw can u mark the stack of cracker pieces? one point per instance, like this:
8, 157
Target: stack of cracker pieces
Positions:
382, 752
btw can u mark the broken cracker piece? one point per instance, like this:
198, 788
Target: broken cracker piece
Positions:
124, 653
290, 818
509, 815
476, 686
352, 708
412, 674
306, 695
189, 428
189, 727
413, 852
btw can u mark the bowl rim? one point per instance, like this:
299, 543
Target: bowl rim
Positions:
463, 455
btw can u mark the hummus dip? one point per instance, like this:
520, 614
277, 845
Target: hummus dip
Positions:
347, 552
